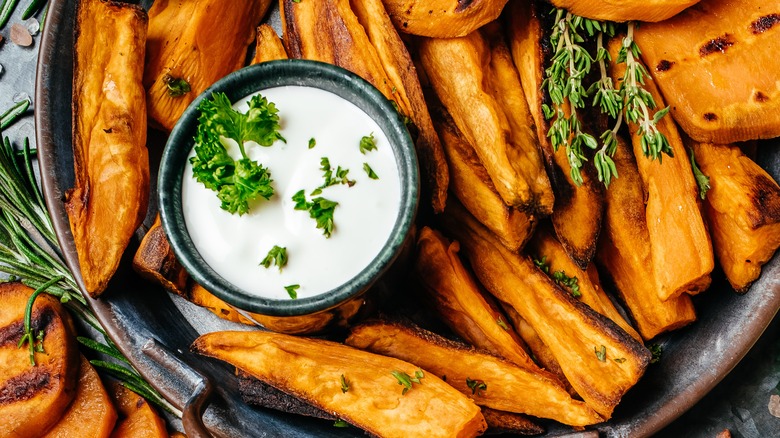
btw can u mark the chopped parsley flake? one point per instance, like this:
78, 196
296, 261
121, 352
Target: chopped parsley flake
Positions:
292, 290
367, 143
276, 256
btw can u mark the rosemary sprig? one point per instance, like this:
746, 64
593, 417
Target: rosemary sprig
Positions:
12, 114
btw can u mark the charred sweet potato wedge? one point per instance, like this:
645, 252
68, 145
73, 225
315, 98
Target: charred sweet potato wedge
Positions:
471, 184
474, 78
743, 212
578, 210
269, 47
583, 342
256, 392
91, 414
488, 380
545, 247
459, 302
704, 61
357, 386
137, 419
155, 261
680, 245
509, 423
34, 398
109, 199
442, 18
626, 256
194, 43
625, 10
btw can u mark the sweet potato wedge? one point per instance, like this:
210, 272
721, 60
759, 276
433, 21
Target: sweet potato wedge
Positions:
443, 18
680, 245
269, 47
256, 392
704, 61
578, 210
109, 199
507, 386
625, 10
155, 261
357, 386
34, 398
91, 413
583, 342
501, 422
545, 246
458, 301
471, 184
743, 212
476, 81
626, 256
199, 42
137, 419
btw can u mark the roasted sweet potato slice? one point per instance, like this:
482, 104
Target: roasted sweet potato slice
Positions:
625, 253
443, 18
578, 209
34, 398
109, 199
357, 386
137, 419
680, 245
256, 392
509, 423
197, 42
155, 261
269, 47
583, 342
91, 413
459, 302
472, 185
625, 10
705, 62
743, 211
476, 81
489, 380
544, 246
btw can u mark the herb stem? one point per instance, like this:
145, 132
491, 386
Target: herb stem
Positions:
33, 8
28, 335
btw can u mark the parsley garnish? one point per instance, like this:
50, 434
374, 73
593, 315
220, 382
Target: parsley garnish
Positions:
406, 380
560, 277
312, 143
601, 353
236, 182
701, 179
476, 386
177, 87
369, 171
656, 350
330, 180
502, 324
620, 359
339, 422
344, 384
320, 209
292, 290
276, 256
367, 143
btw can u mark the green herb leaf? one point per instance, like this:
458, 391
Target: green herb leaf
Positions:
476, 386
276, 256
292, 290
369, 171
502, 324
542, 264
572, 283
620, 359
12, 114
339, 422
340, 178
656, 351
367, 143
702, 180
406, 380
320, 209
177, 87
344, 384
601, 353
312, 143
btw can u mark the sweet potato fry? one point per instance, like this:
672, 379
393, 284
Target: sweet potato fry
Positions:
504, 386
578, 210
357, 386
471, 184
743, 210
476, 81
680, 245
256, 392
625, 253
458, 301
34, 398
443, 18
625, 10
137, 419
269, 47
155, 261
583, 342
544, 246
197, 42
109, 199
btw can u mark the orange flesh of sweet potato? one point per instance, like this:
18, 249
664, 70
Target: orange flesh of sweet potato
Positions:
578, 210
572, 330
470, 76
34, 398
269, 47
155, 261
705, 61
471, 184
137, 419
373, 400
625, 254
509, 388
111, 191
91, 414
544, 244
680, 245
743, 211
625, 10
443, 18
199, 41
459, 302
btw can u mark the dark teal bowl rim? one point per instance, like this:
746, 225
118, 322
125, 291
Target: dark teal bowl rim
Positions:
277, 74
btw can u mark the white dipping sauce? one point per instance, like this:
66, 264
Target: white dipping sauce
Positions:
235, 245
